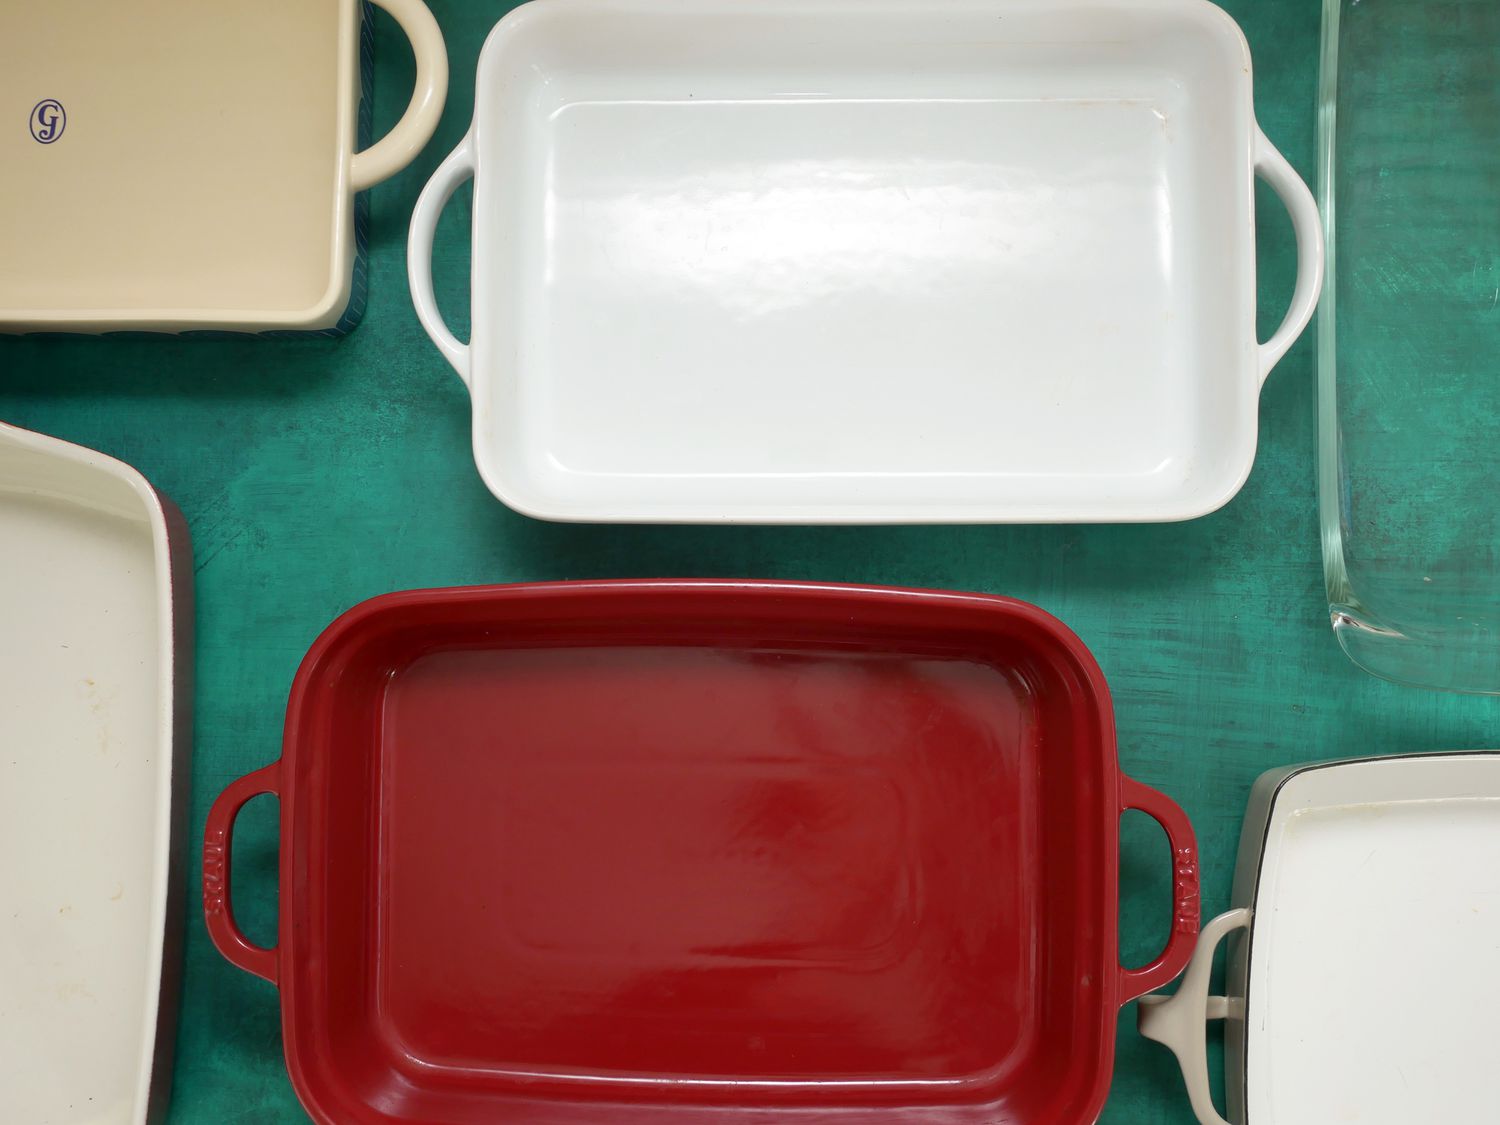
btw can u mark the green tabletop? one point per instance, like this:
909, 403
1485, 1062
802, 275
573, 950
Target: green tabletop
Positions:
316, 473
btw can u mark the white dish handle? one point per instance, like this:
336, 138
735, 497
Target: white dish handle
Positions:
454, 170
1272, 167
399, 147
1178, 1020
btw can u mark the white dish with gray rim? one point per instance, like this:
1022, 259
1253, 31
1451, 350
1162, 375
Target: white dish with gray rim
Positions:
1363, 979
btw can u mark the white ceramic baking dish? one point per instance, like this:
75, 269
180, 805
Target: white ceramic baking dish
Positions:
864, 260
1362, 985
190, 164
95, 689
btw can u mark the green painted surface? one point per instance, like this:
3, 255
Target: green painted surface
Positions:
317, 473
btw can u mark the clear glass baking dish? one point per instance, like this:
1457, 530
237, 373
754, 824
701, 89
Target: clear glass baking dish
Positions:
1409, 335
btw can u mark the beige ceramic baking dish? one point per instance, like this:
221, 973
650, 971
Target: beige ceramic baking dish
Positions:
190, 164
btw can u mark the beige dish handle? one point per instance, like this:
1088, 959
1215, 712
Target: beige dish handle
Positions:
1272, 167
454, 170
399, 147
1178, 1020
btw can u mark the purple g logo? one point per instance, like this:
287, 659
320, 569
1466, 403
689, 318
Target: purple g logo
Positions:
48, 120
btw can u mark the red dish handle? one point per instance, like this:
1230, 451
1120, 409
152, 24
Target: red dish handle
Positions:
1174, 958
218, 836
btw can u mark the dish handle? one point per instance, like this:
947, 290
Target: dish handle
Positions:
458, 167
399, 147
1272, 167
1177, 1021
218, 838
1185, 893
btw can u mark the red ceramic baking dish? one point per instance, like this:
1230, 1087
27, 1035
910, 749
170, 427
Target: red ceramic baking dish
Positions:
722, 852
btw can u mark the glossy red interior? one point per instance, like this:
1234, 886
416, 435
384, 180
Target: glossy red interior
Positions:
656, 852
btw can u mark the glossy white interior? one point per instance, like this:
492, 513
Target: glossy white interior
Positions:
1373, 979
85, 782
839, 261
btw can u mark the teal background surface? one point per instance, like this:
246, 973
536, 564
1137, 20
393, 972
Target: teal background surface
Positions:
317, 473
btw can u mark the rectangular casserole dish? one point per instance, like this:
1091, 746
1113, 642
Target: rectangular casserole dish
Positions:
698, 852
836, 261
95, 698
1362, 982
1409, 337
189, 165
